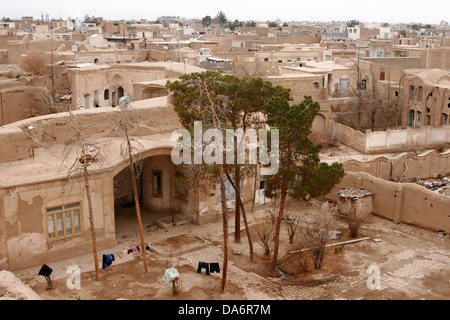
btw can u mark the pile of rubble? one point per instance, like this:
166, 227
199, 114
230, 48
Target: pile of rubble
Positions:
353, 193
441, 186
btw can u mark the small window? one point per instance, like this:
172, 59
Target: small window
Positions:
411, 115
444, 118
396, 93
64, 221
428, 110
420, 93
280, 61
157, 183
419, 119
316, 86
344, 83
382, 75
266, 59
181, 186
412, 92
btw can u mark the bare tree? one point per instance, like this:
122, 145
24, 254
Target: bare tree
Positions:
130, 149
316, 238
266, 233
293, 223
86, 155
353, 220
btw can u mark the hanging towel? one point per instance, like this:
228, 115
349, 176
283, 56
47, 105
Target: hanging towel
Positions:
45, 271
202, 265
214, 267
107, 260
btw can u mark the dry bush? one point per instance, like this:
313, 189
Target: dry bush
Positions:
266, 233
316, 237
34, 62
327, 139
353, 221
293, 222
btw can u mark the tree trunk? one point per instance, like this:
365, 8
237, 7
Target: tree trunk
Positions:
254, 188
277, 230
244, 215
91, 215
237, 208
226, 250
136, 202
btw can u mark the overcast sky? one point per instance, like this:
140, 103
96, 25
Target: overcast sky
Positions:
391, 11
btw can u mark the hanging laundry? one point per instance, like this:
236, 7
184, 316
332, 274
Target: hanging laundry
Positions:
147, 248
136, 249
202, 265
130, 251
45, 271
214, 267
107, 260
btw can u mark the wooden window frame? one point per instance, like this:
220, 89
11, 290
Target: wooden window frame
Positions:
69, 207
160, 194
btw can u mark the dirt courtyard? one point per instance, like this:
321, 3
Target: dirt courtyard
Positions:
413, 264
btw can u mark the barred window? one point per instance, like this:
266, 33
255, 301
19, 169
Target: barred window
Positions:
157, 183
64, 221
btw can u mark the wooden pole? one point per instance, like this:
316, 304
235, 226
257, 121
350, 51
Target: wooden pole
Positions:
136, 202
91, 214
333, 244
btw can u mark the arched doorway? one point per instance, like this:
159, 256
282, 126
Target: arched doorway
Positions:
106, 97
158, 188
319, 124
120, 93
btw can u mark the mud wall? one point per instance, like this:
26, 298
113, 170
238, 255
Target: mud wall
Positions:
406, 202
153, 116
392, 140
427, 165
23, 222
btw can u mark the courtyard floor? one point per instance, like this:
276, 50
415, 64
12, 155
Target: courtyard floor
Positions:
413, 264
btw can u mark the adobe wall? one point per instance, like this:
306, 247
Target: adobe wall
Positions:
301, 86
373, 142
427, 165
17, 48
350, 137
406, 202
406, 139
23, 220
94, 82
400, 62
154, 115
298, 39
